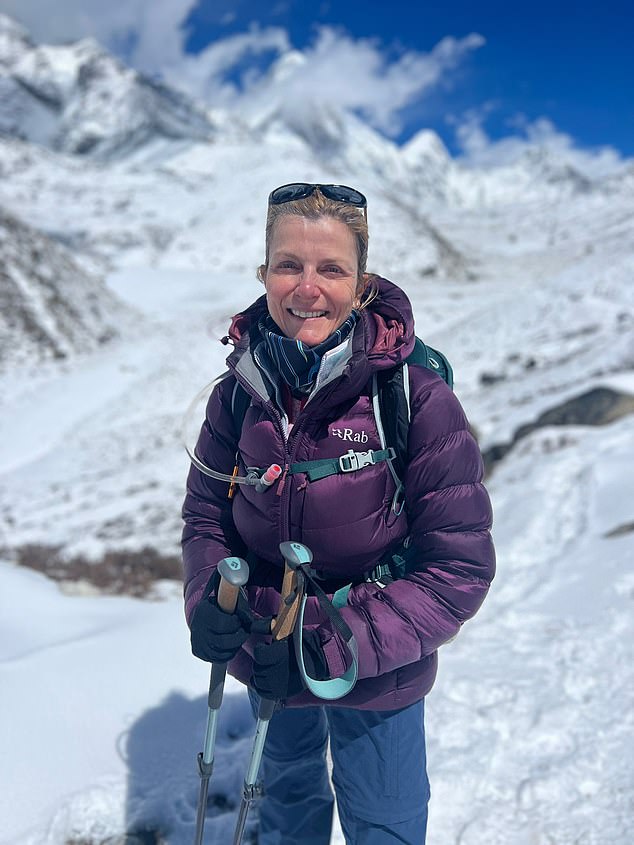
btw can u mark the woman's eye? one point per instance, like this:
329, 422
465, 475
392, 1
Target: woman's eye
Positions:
286, 265
332, 268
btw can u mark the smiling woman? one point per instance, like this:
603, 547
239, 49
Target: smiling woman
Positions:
364, 653
312, 280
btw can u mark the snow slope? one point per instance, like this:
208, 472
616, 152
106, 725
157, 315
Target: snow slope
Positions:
50, 307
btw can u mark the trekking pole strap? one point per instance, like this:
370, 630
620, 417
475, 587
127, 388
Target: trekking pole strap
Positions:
328, 607
332, 688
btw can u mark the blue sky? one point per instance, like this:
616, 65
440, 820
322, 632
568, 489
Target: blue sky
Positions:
487, 76
570, 62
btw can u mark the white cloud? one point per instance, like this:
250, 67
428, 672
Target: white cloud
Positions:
204, 74
336, 69
479, 150
353, 74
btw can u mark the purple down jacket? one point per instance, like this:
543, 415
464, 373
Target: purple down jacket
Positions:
346, 519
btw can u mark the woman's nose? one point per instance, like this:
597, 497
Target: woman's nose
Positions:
308, 280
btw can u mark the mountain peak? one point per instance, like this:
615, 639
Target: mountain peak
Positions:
14, 41
80, 99
426, 144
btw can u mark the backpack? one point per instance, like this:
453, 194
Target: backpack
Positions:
390, 399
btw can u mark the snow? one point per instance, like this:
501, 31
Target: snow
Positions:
541, 722
514, 272
127, 721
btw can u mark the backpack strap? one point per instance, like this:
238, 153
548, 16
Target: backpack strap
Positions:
391, 403
240, 401
433, 359
437, 362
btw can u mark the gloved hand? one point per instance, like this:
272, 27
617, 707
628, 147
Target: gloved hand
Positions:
217, 636
276, 672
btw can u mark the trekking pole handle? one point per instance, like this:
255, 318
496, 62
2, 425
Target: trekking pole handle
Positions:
294, 554
234, 573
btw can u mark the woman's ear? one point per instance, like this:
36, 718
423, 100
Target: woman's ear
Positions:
361, 286
261, 273
368, 290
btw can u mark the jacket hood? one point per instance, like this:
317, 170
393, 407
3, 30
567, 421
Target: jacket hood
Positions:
389, 326
388, 334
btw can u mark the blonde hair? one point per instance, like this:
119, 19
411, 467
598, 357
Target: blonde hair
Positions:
315, 207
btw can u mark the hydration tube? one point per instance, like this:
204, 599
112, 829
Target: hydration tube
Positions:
254, 477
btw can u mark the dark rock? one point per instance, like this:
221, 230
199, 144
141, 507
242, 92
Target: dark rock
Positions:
599, 406
621, 530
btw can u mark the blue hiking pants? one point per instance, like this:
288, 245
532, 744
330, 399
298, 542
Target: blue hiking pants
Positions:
379, 776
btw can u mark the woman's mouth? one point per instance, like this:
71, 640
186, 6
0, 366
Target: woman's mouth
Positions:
305, 315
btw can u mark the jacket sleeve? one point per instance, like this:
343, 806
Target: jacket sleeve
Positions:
449, 517
209, 533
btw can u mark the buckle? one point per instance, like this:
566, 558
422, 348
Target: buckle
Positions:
381, 575
352, 461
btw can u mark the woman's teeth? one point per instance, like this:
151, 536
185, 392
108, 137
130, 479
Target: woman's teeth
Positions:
306, 314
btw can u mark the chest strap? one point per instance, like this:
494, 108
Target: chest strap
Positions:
350, 462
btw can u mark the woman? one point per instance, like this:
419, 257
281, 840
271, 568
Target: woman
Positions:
305, 354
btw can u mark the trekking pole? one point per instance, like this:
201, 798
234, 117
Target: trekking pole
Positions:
234, 573
295, 555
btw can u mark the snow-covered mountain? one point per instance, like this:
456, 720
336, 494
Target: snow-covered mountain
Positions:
49, 306
79, 99
133, 214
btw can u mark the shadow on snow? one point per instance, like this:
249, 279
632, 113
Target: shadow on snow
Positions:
160, 750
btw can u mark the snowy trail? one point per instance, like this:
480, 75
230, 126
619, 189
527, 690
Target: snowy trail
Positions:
26, 437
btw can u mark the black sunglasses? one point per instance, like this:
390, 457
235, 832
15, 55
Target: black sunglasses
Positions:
301, 190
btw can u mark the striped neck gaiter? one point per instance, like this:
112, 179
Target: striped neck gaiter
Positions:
297, 363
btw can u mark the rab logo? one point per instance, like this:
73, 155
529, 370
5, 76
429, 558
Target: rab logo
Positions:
348, 434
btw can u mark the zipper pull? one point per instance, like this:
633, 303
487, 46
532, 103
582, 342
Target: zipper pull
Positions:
282, 481
232, 486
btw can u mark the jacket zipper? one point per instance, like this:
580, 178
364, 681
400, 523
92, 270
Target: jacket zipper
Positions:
284, 489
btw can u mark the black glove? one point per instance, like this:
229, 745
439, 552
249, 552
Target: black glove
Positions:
276, 673
217, 636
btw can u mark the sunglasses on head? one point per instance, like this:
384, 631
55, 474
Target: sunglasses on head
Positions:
301, 190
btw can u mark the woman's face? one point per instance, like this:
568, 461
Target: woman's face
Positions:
311, 280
